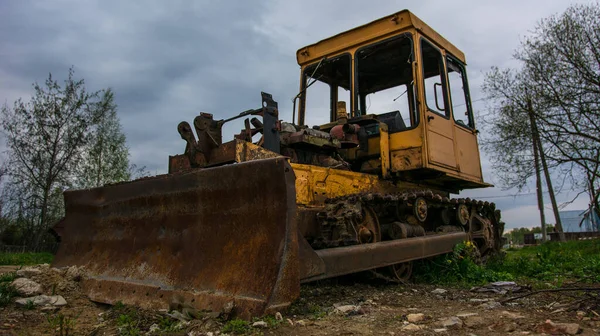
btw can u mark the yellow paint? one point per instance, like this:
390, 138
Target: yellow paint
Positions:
315, 184
384, 150
379, 29
436, 143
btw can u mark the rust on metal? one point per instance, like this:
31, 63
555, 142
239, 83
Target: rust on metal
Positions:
205, 237
350, 259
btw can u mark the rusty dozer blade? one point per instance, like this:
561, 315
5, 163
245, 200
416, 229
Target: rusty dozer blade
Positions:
203, 238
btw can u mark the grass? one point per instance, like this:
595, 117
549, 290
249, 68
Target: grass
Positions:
236, 326
61, 325
7, 290
27, 258
548, 265
555, 263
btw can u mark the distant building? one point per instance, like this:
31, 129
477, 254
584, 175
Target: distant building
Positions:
579, 221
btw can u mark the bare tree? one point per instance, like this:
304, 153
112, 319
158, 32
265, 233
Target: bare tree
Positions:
513, 140
562, 60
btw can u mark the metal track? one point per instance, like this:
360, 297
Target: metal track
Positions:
349, 220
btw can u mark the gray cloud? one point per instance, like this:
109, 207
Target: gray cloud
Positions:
167, 61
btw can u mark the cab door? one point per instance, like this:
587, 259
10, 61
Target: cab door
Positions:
438, 123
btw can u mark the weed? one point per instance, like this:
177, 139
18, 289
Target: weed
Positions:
7, 293
316, 311
118, 305
271, 321
459, 267
29, 305
8, 277
550, 263
128, 324
62, 325
167, 324
236, 326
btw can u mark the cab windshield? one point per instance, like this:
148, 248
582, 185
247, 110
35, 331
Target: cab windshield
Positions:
324, 84
384, 82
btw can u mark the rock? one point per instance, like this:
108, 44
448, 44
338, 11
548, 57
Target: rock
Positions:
463, 315
439, 291
28, 272
411, 327
414, 318
42, 300
27, 287
569, 328
550, 327
227, 310
510, 327
347, 310
440, 330
278, 316
451, 323
260, 324
491, 305
50, 309
75, 273
153, 328
178, 316
474, 321
479, 300
301, 323
510, 315
499, 287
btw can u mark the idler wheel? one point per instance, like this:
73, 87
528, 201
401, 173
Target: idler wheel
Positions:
420, 209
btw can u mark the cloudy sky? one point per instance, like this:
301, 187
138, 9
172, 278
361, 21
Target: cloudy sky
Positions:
169, 60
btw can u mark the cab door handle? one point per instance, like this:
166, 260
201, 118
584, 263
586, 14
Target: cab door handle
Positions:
429, 118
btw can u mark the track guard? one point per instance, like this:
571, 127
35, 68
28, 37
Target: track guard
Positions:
204, 238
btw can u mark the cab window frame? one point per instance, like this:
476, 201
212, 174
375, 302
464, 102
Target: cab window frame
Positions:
443, 77
415, 104
467, 94
306, 75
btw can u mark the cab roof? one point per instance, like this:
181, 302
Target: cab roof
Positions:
386, 26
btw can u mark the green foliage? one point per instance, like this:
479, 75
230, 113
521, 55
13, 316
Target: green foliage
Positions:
8, 277
167, 324
236, 326
128, 324
555, 262
316, 311
271, 321
27, 258
459, 267
106, 156
60, 324
7, 293
29, 305
552, 263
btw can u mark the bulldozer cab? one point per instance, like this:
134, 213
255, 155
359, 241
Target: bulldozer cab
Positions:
406, 88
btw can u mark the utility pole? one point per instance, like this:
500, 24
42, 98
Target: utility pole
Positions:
538, 184
542, 155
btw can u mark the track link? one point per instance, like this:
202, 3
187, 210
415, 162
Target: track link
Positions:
372, 217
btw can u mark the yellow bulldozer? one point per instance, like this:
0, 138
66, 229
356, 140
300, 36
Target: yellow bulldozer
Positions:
241, 224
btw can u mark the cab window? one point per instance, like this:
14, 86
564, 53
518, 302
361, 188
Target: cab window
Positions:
433, 74
325, 83
384, 82
459, 94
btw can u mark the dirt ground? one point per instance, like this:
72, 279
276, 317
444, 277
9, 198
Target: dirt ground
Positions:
335, 307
